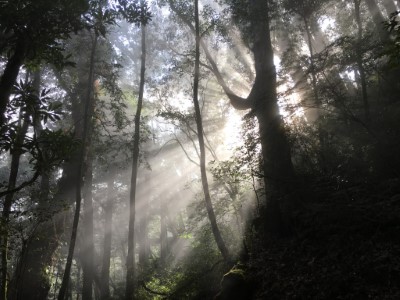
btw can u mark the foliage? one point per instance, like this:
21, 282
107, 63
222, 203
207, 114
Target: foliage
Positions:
48, 148
134, 13
39, 26
393, 49
343, 248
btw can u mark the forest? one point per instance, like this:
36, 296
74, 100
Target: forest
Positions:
199, 149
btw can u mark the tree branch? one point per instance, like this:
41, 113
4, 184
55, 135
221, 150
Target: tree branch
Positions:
236, 101
22, 185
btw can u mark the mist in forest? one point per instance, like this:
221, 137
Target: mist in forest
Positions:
201, 149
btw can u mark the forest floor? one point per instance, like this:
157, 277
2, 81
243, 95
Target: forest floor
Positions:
346, 245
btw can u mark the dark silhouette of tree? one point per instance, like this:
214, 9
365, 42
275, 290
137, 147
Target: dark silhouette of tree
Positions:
34, 31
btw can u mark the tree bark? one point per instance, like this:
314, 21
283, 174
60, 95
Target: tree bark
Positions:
130, 261
277, 165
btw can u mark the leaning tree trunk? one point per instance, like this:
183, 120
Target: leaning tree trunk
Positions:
78, 180
130, 261
200, 133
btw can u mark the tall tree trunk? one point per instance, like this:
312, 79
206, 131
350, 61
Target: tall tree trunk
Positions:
108, 214
16, 153
130, 261
10, 75
200, 133
78, 197
277, 165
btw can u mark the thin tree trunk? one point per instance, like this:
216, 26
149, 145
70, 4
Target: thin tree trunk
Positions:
78, 197
87, 249
130, 261
200, 133
108, 214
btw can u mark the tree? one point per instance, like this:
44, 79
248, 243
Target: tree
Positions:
86, 133
130, 261
28, 108
253, 19
200, 134
30, 38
